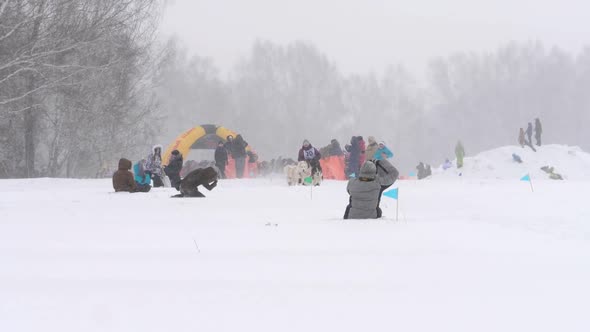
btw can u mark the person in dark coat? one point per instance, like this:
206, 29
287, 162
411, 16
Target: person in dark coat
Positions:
421, 171
335, 149
311, 155
364, 194
238, 152
229, 141
123, 178
538, 131
173, 169
354, 157
529, 133
221, 159
189, 186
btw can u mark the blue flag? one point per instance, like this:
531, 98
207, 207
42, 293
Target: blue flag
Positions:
526, 178
393, 193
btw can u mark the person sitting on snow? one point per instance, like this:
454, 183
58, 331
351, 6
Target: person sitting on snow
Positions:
189, 186
142, 178
447, 164
364, 192
123, 178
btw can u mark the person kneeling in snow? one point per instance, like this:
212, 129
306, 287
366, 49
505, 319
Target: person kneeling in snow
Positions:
143, 178
123, 178
364, 194
189, 186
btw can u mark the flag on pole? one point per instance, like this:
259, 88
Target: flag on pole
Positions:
393, 193
526, 178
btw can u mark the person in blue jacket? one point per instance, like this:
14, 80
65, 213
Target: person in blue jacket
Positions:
382, 152
142, 178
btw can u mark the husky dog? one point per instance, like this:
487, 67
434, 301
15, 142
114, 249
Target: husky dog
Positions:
296, 174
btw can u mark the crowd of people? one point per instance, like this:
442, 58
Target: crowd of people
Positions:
366, 165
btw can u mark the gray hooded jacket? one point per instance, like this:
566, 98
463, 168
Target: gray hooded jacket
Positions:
364, 193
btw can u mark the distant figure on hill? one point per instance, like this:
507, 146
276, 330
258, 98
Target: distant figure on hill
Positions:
123, 178
529, 133
447, 164
239, 154
460, 154
362, 147
538, 131
189, 186
521, 139
354, 156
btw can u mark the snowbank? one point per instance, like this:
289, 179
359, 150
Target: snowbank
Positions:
571, 162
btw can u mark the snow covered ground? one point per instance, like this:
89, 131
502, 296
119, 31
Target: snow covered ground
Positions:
256, 255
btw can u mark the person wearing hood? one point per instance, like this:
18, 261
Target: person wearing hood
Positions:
382, 152
311, 155
154, 165
221, 159
142, 177
335, 149
364, 192
372, 147
238, 152
538, 131
173, 168
229, 140
189, 186
123, 178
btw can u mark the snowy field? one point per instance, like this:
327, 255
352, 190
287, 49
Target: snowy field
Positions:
256, 255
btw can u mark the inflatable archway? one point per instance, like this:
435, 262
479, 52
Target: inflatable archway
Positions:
199, 137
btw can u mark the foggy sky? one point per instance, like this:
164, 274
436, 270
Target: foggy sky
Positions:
368, 35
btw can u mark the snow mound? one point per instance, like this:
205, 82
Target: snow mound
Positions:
569, 161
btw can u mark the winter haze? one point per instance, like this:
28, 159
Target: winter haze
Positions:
417, 75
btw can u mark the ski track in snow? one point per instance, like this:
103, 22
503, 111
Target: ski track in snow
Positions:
256, 255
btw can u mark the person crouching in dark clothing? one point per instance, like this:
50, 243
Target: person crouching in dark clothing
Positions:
189, 186
123, 178
173, 169
221, 158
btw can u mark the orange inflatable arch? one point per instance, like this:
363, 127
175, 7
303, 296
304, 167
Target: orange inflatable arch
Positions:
200, 137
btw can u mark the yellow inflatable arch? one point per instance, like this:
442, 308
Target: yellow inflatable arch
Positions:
200, 137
